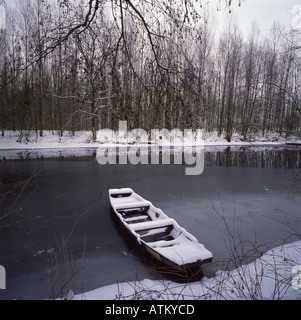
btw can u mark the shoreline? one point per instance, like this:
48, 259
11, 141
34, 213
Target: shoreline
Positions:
57, 152
96, 146
83, 139
261, 276
78, 151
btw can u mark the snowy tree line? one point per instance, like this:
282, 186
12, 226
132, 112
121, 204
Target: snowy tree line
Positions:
131, 63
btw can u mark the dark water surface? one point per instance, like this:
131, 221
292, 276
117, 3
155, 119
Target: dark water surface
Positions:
56, 223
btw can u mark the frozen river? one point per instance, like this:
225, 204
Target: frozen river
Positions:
57, 223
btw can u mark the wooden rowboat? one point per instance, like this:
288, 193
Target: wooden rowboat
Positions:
159, 235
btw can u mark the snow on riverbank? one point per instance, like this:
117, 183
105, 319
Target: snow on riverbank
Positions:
269, 277
53, 140
84, 139
52, 145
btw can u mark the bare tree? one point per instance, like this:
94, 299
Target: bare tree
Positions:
230, 49
71, 65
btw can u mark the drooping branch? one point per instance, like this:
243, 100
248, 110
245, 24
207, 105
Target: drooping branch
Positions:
186, 9
93, 7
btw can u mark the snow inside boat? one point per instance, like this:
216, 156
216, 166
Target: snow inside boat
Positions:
158, 234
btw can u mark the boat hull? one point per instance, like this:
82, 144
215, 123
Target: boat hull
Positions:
133, 216
158, 263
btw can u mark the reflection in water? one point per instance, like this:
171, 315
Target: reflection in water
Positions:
284, 157
254, 157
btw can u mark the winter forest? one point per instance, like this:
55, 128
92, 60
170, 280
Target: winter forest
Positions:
85, 65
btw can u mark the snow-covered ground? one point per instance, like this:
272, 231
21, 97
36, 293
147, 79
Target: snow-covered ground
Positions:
84, 139
52, 145
273, 276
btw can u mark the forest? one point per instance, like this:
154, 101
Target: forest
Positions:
86, 65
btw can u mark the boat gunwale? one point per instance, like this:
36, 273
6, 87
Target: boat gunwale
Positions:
151, 246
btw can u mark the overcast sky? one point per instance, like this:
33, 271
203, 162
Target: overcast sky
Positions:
265, 12
262, 11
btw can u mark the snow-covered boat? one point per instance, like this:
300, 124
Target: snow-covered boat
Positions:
159, 235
